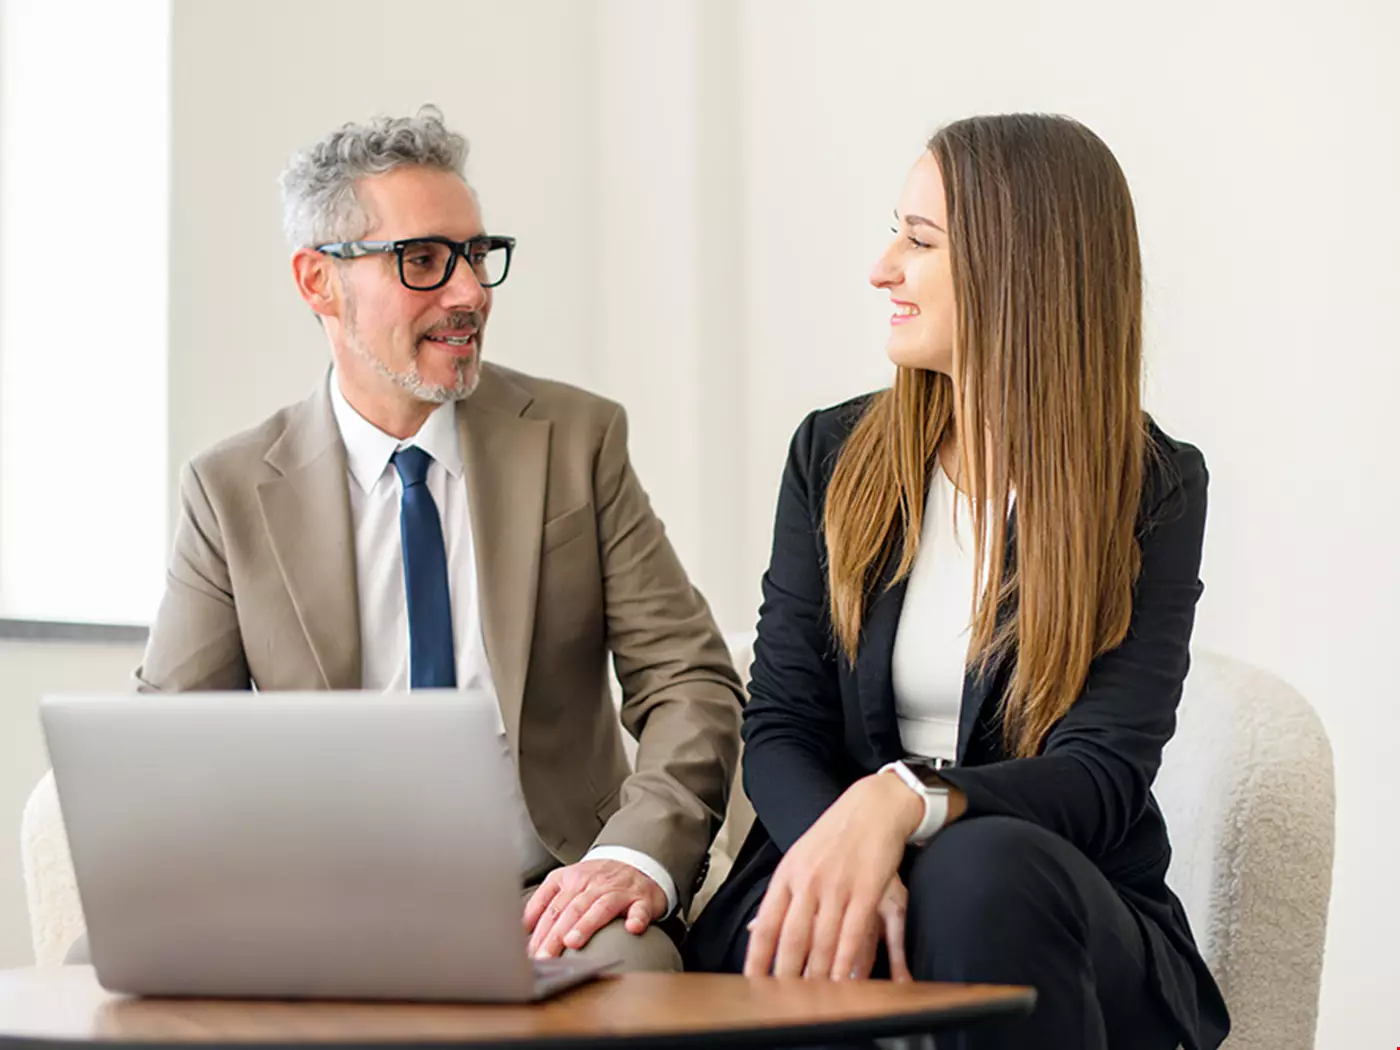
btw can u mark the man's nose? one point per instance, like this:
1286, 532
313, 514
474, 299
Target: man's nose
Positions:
463, 289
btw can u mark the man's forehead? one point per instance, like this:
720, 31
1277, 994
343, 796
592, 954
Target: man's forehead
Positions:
411, 202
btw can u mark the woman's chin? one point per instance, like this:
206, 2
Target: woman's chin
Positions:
906, 355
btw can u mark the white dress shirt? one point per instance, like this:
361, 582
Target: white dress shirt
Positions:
930, 644
375, 496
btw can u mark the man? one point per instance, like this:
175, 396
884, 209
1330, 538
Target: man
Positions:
425, 519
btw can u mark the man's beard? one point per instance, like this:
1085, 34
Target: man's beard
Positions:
468, 368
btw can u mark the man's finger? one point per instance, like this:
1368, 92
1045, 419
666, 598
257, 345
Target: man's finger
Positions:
764, 930
638, 917
549, 918
539, 900
553, 943
603, 911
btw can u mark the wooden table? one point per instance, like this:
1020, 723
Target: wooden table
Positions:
64, 1007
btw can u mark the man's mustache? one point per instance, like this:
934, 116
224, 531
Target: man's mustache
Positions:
455, 322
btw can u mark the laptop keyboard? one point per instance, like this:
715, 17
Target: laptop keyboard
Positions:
553, 967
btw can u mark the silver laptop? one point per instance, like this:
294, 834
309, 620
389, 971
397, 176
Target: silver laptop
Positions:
297, 845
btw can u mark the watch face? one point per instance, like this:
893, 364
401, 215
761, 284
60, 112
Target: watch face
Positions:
927, 774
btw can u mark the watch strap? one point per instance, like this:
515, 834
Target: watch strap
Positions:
935, 802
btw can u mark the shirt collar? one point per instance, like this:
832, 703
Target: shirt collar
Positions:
368, 449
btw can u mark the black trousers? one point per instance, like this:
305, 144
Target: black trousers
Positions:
1003, 901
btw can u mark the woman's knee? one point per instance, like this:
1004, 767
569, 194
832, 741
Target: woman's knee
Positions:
991, 873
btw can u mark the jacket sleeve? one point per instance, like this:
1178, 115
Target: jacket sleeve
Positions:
1091, 781
195, 642
681, 695
793, 740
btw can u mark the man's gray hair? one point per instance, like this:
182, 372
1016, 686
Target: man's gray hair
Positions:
319, 205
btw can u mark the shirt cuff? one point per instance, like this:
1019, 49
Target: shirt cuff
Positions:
646, 865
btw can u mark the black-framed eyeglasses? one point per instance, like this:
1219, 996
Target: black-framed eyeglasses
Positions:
426, 263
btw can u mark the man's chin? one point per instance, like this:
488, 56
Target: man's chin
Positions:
446, 369
461, 388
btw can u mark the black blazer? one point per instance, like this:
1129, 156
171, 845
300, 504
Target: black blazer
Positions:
815, 724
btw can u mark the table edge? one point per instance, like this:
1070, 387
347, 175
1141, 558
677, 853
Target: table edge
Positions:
884, 1026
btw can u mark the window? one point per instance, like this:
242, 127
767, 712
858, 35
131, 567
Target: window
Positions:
84, 159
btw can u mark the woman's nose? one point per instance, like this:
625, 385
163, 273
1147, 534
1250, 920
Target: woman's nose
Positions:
885, 271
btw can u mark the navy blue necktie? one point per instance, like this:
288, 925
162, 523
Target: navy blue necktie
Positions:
430, 658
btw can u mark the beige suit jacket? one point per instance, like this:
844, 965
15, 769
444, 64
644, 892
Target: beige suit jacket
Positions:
572, 565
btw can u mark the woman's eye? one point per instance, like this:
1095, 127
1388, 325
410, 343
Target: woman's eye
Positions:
918, 243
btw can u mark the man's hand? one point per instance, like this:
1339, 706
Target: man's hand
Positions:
837, 890
574, 903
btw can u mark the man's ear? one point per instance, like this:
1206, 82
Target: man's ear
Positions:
317, 281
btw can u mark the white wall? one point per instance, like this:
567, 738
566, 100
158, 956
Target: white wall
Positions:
700, 186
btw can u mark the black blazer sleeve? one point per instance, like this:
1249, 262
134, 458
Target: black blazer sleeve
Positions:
793, 737
1091, 782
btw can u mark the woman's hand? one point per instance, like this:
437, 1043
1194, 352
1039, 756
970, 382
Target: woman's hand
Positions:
889, 926
838, 889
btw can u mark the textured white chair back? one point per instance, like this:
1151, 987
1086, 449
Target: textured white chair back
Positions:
55, 914
1246, 786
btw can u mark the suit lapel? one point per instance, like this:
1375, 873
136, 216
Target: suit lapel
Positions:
506, 458
307, 515
979, 687
874, 664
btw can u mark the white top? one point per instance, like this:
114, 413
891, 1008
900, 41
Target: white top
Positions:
375, 496
930, 644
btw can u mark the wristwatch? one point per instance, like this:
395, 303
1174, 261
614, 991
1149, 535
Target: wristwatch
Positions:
922, 777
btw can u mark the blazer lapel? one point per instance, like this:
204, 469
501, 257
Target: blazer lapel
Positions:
506, 458
874, 659
978, 687
307, 515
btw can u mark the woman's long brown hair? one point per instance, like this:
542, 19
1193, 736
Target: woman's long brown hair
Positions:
1045, 402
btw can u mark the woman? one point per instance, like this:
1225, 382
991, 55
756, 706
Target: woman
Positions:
992, 564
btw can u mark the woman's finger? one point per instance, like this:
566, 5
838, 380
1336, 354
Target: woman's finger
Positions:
796, 938
856, 925
825, 932
892, 917
765, 928
865, 958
